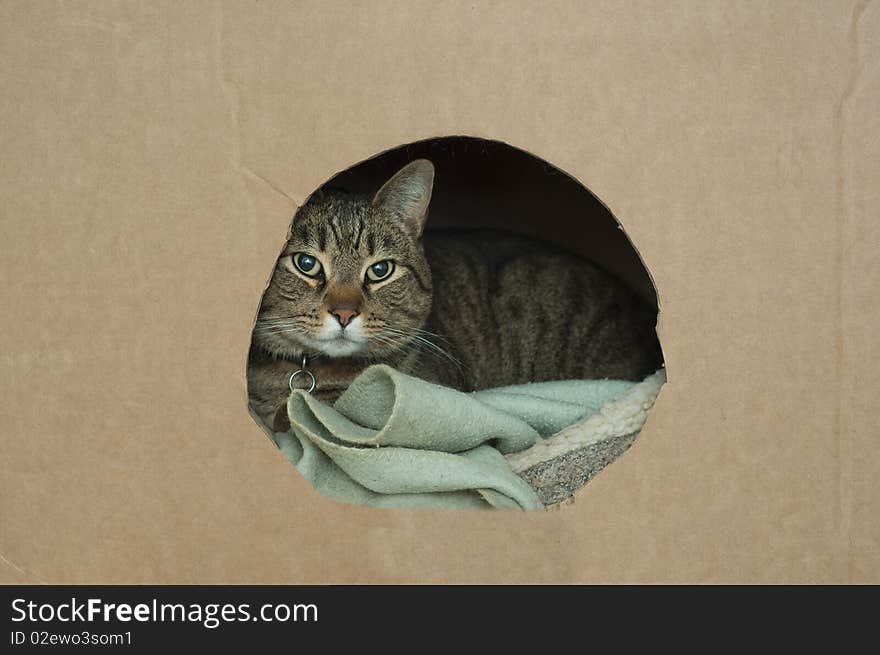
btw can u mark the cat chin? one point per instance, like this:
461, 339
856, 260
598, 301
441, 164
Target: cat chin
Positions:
335, 341
342, 348
335, 347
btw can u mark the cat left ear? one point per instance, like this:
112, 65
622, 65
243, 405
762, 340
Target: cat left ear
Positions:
407, 194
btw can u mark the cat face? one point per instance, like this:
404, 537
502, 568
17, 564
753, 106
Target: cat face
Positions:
352, 280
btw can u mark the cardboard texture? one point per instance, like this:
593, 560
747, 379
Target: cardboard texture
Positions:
154, 153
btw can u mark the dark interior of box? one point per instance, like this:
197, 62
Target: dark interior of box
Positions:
481, 183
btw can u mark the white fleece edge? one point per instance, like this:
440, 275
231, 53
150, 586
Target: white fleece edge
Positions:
625, 415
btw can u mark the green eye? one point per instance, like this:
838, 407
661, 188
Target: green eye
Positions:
307, 264
380, 270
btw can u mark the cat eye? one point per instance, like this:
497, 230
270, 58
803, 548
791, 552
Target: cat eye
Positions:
306, 264
380, 270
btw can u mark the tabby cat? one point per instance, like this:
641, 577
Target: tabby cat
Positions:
358, 283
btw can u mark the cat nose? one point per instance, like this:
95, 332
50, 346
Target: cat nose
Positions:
344, 315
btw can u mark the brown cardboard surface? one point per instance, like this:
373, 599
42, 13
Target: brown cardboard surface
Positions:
154, 153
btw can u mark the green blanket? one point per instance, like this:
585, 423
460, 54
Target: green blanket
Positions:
392, 440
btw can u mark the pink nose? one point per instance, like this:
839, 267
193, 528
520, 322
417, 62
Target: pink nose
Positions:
344, 316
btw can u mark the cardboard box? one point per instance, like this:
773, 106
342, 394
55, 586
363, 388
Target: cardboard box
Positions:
153, 155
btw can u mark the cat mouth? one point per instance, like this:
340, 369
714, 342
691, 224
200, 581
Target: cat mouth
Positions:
335, 340
340, 345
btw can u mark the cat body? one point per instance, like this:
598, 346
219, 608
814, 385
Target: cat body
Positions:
359, 284
514, 310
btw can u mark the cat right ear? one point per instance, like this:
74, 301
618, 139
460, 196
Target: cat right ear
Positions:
407, 194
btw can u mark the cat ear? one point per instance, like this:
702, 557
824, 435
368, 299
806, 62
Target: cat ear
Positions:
407, 194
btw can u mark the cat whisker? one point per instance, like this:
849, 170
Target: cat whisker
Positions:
278, 329
422, 343
421, 331
276, 321
430, 334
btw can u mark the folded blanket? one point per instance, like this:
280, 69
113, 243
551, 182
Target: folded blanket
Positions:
392, 440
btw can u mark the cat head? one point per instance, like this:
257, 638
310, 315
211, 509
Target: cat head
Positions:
352, 280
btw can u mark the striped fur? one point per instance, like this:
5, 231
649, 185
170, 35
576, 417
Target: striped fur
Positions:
472, 310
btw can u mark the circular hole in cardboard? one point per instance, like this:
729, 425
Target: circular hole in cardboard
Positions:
482, 184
